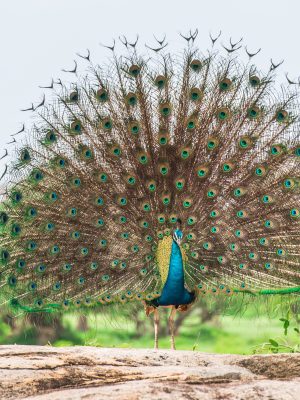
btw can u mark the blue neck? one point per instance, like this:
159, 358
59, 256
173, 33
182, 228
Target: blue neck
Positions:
174, 292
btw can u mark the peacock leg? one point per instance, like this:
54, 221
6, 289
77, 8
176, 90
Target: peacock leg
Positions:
156, 326
171, 327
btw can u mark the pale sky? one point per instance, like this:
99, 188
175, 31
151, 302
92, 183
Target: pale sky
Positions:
40, 37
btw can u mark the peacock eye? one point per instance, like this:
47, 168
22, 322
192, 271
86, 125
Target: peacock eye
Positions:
20, 264
223, 114
254, 81
57, 286
107, 124
160, 82
67, 267
196, 65
12, 281
81, 280
135, 129
165, 109
281, 116
131, 180
76, 127
102, 95
74, 96
143, 159
146, 207
295, 213
99, 222
84, 251
134, 70
225, 84
32, 286
99, 201
93, 266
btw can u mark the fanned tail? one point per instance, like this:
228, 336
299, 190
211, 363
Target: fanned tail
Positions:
112, 163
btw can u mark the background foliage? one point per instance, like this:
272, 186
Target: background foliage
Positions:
238, 325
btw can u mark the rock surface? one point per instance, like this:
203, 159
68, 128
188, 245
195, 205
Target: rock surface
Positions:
71, 373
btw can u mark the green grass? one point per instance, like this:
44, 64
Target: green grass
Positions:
230, 335
238, 330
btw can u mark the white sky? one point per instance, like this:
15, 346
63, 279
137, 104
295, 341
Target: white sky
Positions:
39, 37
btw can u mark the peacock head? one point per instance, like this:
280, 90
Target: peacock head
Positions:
178, 223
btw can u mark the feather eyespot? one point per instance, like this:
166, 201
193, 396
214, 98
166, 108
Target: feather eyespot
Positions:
297, 151
163, 168
173, 218
242, 214
25, 156
185, 152
211, 193
151, 185
245, 142
54, 250
223, 114
134, 127
228, 166
212, 143
207, 245
76, 127
253, 112
270, 224
281, 116
214, 214
179, 183
107, 124
74, 96
134, 70
12, 281
277, 150
160, 81
239, 192
165, 109
195, 94
196, 65
4, 217
254, 81
102, 95
294, 213
268, 266
131, 99
50, 138
191, 220
225, 84
160, 235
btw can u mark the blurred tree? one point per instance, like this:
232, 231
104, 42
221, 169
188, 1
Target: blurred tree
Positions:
82, 324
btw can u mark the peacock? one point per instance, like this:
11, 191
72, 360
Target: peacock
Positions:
156, 178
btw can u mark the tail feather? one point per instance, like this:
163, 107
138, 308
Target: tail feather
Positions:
117, 157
